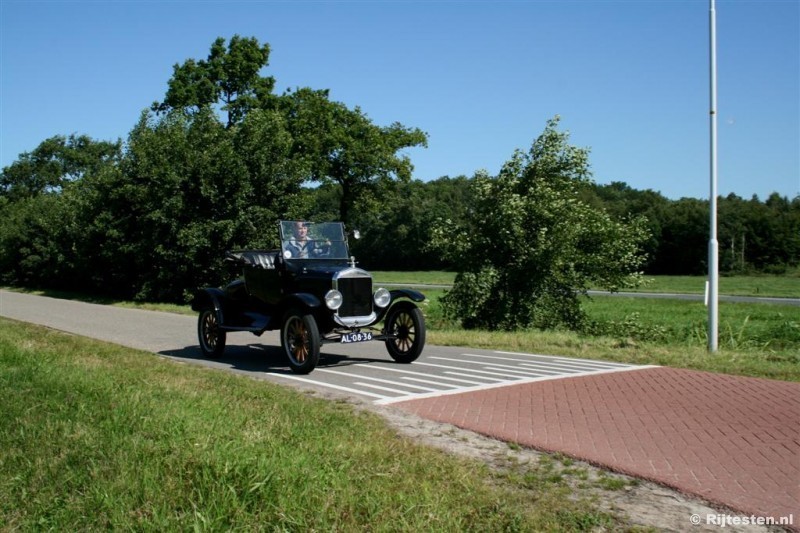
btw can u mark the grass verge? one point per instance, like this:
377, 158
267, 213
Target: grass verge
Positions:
96, 436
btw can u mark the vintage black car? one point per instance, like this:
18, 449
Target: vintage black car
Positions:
313, 292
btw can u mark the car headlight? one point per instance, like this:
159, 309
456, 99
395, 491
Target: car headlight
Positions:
333, 299
382, 297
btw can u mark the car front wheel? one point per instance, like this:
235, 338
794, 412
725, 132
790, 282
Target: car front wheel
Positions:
405, 327
212, 338
300, 341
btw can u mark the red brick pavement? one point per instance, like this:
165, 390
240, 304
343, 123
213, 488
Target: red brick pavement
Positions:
731, 440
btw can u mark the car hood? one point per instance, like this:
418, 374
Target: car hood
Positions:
318, 270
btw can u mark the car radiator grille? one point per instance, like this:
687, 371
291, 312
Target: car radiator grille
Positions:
356, 296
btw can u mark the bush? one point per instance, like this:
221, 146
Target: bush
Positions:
531, 245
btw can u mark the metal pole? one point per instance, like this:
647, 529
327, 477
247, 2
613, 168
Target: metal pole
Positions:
713, 246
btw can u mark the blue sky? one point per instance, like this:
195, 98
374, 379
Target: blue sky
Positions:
629, 79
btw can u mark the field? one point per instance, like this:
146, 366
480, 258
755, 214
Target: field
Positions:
762, 285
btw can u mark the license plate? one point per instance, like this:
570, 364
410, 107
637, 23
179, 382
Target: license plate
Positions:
358, 336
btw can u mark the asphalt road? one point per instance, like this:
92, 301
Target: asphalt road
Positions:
700, 297
362, 370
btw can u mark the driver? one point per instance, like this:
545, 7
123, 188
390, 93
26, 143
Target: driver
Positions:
301, 247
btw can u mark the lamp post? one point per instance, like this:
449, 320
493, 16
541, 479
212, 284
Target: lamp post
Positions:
713, 245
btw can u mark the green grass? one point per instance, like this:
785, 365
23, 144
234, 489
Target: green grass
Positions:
96, 436
758, 340
787, 286
741, 325
764, 285
104, 300
425, 278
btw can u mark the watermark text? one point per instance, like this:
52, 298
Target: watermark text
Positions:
725, 520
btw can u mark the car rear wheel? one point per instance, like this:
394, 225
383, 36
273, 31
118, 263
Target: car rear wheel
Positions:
300, 341
405, 327
212, 338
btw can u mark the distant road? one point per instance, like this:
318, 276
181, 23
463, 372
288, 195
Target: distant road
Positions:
701, 297
655, 295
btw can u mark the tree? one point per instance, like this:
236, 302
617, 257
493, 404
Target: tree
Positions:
623, 202
531, 246
54, 163
772, 230
343, 146
188, 189
330, 142
39, 240
180, 200
397, 230
264, 146
683, 243
228, 77
32, 242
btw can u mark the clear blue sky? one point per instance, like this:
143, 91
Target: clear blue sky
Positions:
629, 78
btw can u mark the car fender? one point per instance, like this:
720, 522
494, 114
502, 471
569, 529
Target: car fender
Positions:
397, 294
302, 300
210, 298
407, 293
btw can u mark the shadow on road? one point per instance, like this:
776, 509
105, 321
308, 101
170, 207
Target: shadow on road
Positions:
261, 358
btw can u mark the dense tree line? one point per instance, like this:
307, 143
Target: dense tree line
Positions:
210, 168
754, 235
222, 158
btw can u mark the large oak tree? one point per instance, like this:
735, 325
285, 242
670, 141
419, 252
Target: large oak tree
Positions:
343, 146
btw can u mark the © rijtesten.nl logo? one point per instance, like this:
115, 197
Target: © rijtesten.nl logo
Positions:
724, 520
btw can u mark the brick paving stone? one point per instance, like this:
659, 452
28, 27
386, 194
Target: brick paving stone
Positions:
733, 441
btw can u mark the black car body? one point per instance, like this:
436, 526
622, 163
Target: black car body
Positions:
314, 294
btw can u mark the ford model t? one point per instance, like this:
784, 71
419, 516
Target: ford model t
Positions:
312, 291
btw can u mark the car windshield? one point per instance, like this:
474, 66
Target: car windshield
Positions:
309, 240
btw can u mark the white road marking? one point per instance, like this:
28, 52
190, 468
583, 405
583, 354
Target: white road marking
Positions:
494, 371
388, 401
556, 369
555, 363
380, 388
513, 371
566, 359
379, 380
329, 385
439, 383
383, 368
472, 376
462, 369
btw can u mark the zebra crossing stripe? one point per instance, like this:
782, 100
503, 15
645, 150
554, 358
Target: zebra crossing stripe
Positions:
387, 401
